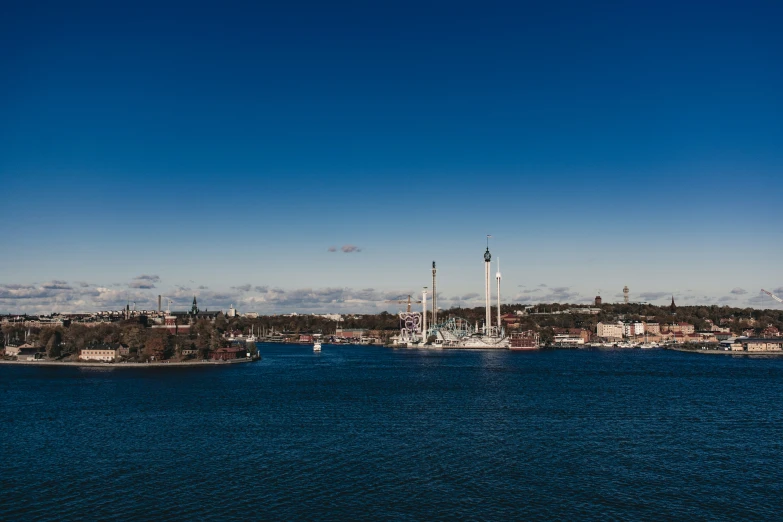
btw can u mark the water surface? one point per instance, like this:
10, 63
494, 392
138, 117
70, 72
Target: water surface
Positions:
368, 432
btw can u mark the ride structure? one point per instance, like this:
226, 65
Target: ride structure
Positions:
411, 331
455, 332
773, 296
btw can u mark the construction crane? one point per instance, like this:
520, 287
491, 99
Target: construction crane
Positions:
403, 302
773, 296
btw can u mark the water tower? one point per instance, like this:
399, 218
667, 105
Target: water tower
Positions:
625, 294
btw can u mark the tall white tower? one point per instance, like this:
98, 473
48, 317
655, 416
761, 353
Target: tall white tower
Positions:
497, 276
434, 297
424, 315
487, 259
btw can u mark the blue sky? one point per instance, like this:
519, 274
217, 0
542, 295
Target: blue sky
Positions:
212, 146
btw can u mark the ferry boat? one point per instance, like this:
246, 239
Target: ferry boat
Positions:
316, 343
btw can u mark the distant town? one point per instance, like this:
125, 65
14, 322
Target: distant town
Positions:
224, 335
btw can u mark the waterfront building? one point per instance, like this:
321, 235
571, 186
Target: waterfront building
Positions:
581, 335
750, 344
29, 353
652, 328
12, 349
685, 328
227, 354
189, 350
22, 352
610, 330
568, 339
633, 329
100, 352
350, 333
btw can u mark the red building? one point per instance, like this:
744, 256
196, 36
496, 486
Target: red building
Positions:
226, 354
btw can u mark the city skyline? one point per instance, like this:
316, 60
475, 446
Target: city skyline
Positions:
319, 158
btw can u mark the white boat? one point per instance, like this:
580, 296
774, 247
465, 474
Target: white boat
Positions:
251, 338
316, 343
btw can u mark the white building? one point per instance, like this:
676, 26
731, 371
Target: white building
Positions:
569, 340
633, 329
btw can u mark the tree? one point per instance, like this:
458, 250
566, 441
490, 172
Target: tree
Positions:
135, 337
546, 336
54, 345
220, 322
154, 347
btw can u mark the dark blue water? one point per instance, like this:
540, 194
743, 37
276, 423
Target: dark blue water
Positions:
364, 432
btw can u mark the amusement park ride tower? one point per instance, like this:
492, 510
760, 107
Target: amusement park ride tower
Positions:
487, 259
497, 276
434, 297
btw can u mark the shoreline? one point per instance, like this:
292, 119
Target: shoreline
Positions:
726, 352
130, 365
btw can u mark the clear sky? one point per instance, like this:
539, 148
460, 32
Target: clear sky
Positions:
222, 149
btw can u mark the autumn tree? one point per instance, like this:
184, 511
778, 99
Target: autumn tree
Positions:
155, 346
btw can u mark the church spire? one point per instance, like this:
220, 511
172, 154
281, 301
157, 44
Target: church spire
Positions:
673, 307
194, 308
